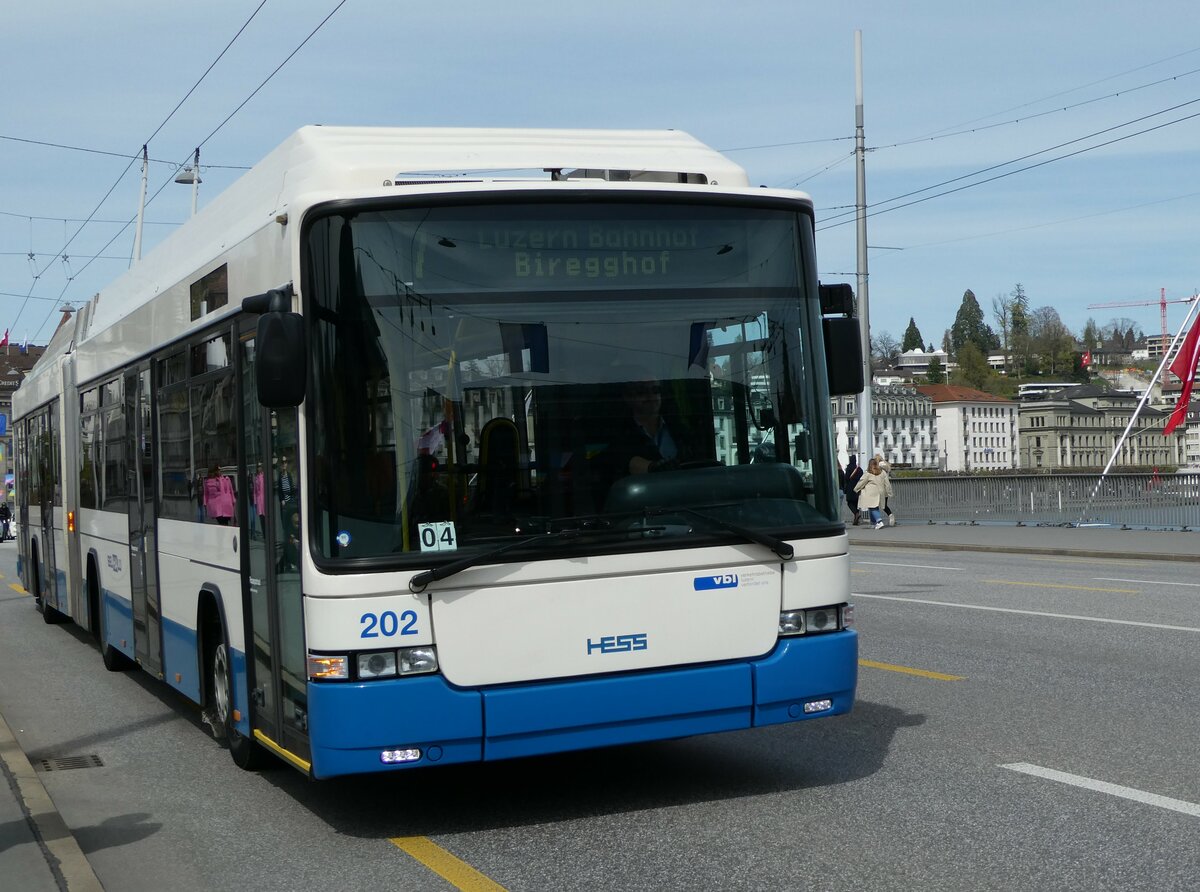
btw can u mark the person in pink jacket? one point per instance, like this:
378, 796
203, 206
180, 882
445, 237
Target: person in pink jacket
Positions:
218, 496
260, 501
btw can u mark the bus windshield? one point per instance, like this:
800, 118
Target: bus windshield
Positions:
486, 373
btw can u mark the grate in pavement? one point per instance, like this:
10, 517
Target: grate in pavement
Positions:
66, 763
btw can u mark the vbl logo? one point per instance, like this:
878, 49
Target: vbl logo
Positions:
614, 644
114, 563
721, 580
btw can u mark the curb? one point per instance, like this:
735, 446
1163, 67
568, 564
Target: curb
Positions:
64, 858
1032, 549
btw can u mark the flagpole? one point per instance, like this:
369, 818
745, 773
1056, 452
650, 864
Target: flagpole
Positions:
1167, 354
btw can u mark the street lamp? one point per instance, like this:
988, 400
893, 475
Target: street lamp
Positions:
190, 175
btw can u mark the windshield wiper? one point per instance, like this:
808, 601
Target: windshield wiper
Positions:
777, 545
417, 584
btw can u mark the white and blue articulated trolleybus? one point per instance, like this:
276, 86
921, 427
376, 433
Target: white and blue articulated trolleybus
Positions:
421, 447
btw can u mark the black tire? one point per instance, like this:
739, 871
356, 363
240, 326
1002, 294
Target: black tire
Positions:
50, 616
247, 754
114, 660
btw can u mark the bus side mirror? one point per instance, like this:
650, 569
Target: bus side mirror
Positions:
281, 358
843, 355
843, 340
281, 349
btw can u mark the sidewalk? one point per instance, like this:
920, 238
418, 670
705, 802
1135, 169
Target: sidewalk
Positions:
38, 853
1096, 542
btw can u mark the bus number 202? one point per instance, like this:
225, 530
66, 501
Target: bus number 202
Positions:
388, 624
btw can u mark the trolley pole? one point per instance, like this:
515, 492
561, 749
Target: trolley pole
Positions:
137, 238
866, 444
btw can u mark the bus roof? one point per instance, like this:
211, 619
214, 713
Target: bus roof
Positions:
318, 163
367, 156
353, 161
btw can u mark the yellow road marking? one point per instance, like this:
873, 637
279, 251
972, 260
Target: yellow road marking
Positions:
907, 670
17, 587
459, 874
1078, 588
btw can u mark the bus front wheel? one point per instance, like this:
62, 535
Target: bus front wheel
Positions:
246, 752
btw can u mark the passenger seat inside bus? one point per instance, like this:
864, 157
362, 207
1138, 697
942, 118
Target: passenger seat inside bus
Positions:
499, 468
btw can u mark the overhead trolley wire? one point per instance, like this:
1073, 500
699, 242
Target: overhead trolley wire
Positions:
130, 164
1009, 173
215, 130
1053, 111
1071, 90
877, 209
135, 156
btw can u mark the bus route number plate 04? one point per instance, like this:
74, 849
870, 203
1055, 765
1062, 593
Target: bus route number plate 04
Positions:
438, 536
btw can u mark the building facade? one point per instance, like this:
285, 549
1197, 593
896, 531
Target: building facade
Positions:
904, 426
977, 431
1079, 427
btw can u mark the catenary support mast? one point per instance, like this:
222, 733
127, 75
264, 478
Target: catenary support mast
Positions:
866, 445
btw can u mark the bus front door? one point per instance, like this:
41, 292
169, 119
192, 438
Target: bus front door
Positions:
270, 503
143, 550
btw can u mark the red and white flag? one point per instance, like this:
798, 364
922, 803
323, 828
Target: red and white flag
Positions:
1087, 358
1184, 368
4, 342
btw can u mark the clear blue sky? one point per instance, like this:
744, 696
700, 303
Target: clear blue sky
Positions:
1114, 223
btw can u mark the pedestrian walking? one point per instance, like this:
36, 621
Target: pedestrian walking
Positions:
886, 468
871, 489
853, 474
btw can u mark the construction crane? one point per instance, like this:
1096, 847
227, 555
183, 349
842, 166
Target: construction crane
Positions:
1162, 302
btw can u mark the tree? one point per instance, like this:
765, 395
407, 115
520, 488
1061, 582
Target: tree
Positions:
973, 367
936, 374
1091, 335
885, 352
969, 327
1123, 332
947, 343
1019, 328
912, 337
1002, 311
1052, 341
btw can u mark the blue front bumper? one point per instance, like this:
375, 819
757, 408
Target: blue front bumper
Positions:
350, 724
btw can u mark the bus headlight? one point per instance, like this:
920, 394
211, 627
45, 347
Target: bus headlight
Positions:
417, 660
379, 664
816, 620
823, 619
791, 622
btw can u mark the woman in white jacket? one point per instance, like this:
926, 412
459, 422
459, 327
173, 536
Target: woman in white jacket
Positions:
886, 468
872, 489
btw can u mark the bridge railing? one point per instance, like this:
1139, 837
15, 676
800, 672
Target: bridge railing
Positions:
1152, 501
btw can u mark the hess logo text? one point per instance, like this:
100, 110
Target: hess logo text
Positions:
616, 644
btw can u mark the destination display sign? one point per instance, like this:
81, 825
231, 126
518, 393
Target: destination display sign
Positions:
579, 247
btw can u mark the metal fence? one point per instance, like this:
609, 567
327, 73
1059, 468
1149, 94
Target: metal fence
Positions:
1143, 501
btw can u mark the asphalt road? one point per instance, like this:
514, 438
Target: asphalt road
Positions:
1003, 739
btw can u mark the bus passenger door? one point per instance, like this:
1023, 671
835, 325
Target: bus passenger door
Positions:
46, 445
143, 583
270, 499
